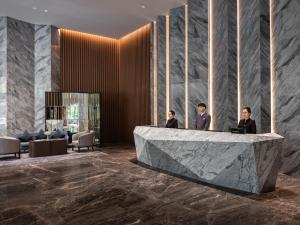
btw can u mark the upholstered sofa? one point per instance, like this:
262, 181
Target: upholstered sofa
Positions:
10, 145
26, 137
83, 139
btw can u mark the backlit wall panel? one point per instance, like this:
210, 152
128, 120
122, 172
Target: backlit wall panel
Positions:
177, 63
254, 61
153, 72
197, 57
237, 58
161, 71
286, 45
223, 64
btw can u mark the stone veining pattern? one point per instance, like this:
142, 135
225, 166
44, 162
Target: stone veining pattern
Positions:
161, 70
197, 57
177, 63
3, 74
287, 80
20, 76
47, 68
243, 162
105, 187
42, 71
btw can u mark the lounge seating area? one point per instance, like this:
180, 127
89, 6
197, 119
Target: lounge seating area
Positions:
40, 144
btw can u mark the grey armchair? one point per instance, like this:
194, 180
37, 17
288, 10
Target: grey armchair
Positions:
83, 139
10, 145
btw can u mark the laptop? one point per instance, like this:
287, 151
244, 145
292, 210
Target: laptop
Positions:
236, 130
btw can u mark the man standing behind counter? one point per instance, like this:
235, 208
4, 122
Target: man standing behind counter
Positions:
203, 118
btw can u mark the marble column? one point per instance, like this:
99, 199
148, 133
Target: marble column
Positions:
198, 57
47, 68
254, 60
161, 73
177, 63
42, 71
287, 80
29, 66
223, 75
20, 76
3, 74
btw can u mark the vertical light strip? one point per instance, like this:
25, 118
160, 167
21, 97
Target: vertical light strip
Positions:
238, 60
272, 68
210, 69
155, 73
167, 65
186, 68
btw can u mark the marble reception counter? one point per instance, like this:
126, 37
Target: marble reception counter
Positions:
245, 162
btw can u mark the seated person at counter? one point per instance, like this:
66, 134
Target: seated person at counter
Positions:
203, 118
172, 122
246, 122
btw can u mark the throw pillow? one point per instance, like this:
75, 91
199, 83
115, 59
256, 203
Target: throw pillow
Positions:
57, 134
25, 137
41, 134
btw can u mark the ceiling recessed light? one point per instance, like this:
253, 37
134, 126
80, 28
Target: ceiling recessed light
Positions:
143, 6
45, 10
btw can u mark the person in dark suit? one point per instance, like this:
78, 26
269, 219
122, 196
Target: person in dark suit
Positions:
246, 122
203, 118
172, 122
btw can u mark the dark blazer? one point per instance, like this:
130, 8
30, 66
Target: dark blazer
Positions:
172, 123
202, 122
248, 125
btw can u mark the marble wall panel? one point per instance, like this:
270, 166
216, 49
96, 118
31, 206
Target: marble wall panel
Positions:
265, 66
161, 70
3, 74
287, 80
20, 76
232, 96
177, 63
219, 36
250, 58
197, 57
47, 68
42, 71
255, 61
224, 78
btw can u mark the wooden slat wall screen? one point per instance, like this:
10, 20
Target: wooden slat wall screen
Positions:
119, 69
89, 63
53, 99
134, 84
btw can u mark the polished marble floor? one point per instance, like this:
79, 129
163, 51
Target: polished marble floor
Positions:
108, 187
